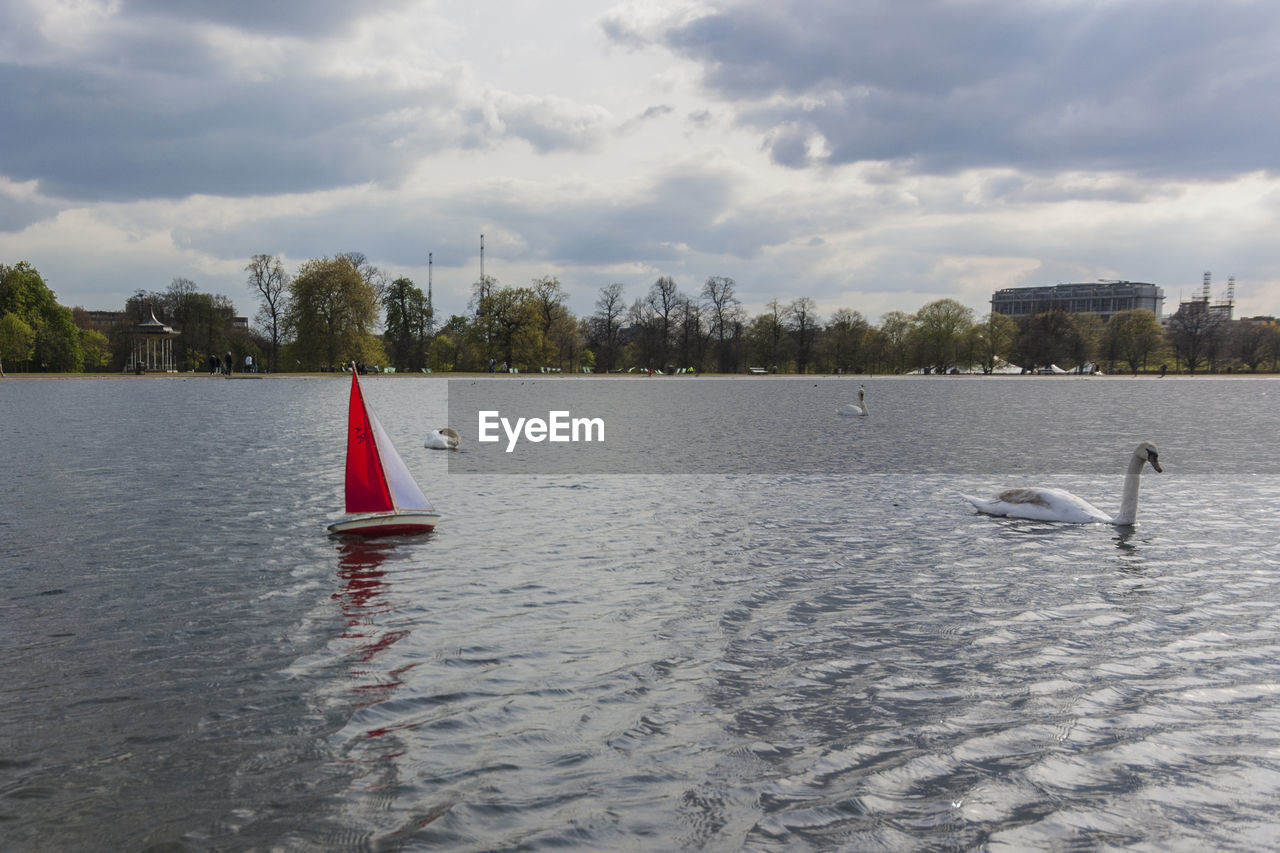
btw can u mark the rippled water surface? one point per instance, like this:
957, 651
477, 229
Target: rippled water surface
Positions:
838, 656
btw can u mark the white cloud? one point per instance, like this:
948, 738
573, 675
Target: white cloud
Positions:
872, 155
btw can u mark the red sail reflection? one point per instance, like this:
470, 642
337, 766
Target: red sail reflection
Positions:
364, 599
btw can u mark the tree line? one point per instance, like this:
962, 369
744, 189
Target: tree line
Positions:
340, 310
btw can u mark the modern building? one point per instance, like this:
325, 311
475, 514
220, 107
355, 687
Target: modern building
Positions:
1103, 298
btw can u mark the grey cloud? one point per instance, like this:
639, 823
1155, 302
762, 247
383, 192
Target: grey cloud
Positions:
549, 125
122, 137
273, 16
1188, 88
147, 112
690, 208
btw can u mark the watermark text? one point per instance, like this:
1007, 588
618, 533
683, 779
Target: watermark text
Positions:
559, 426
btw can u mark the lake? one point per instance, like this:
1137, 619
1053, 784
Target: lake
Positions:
796, 636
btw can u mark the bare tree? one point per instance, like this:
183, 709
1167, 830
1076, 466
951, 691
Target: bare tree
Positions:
1252, 342
726, 317
371, 275
691, 334
662, 299
268, 279
606, 325
1191, 332
843, 340
803, 317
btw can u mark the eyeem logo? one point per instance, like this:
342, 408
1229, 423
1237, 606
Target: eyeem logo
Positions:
558, 426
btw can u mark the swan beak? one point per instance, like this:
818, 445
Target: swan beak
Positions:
1154, 459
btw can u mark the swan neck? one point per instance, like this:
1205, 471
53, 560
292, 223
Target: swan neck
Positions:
1129, 499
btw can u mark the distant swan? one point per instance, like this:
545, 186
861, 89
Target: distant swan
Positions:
1057, 505
443, 439
858, 410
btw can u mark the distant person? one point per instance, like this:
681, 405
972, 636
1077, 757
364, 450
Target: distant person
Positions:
226, 364
1164, 368
248, 364
213, 364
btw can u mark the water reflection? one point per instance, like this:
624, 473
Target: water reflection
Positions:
1123, 535
366, 602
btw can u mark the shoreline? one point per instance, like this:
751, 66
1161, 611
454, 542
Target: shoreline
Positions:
637, 376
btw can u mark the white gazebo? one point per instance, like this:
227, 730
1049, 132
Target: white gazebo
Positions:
152, 347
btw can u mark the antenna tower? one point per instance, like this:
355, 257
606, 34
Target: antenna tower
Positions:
1231, 291
1208, 277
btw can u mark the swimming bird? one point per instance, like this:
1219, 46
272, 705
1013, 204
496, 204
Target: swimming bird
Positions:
1058, 505
858, 410
444, 438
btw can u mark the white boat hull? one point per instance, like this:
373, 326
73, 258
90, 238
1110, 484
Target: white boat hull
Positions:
402, 523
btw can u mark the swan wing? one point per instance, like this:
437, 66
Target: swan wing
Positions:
441, 440
1040, 505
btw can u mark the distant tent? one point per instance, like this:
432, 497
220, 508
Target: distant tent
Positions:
1004, 367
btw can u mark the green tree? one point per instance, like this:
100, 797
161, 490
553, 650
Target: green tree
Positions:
507, 323
408, 319
555, 325
939, 332
96, 349
202, 320
891, 341
1047, 338
332, 313
1133, 336
767, 341
449, 349
24, 294
1087, 343
17, 341
995, 337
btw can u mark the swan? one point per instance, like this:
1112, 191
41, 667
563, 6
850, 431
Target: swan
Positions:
1057, 505
858, 410
444, 438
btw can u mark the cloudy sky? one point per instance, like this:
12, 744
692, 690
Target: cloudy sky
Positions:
868, 154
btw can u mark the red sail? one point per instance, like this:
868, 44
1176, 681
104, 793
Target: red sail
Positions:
366, 484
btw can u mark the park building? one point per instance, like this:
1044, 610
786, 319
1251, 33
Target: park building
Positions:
1200, 306
1103, 298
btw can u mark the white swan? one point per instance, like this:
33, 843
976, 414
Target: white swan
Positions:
444, 438
858, 410
1057, 505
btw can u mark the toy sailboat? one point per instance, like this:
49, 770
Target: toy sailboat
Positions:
382, 497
